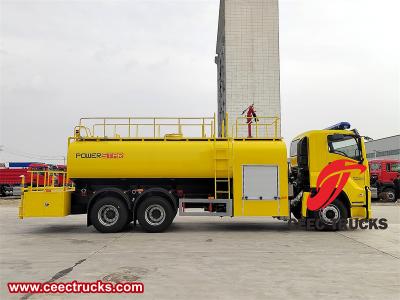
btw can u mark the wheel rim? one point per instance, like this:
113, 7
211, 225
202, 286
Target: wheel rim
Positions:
390, 196
108, 215
330, 214
154, 214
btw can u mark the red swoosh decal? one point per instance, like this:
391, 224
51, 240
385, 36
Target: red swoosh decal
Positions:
331, 181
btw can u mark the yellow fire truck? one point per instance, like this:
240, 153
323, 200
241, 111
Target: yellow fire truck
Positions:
123, 170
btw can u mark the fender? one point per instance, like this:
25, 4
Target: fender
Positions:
381, 186
111, 190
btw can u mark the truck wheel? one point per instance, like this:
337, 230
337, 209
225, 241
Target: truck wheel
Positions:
389, 194
109, 214
155, 214
329, 218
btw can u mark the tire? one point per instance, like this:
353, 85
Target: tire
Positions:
155, 214
332, 217
389, 194
109, 214
130, 220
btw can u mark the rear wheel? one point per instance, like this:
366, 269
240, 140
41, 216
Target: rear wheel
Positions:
155, 214
331, 217
109, 214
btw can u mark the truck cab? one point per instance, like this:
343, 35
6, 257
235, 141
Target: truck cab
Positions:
314, 159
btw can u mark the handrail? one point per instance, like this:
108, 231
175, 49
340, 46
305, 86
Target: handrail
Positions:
100, 126
156, 128
164, 127
261, 127
46, 181
77, 130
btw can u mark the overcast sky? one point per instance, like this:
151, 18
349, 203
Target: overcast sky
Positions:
61, 60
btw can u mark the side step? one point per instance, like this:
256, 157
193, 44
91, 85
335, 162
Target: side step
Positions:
206, 202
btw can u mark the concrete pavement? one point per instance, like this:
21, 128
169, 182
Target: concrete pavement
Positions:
201, 257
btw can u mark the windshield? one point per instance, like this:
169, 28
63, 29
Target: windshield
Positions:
345, 145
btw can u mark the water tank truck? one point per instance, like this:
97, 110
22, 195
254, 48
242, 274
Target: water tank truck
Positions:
148, 170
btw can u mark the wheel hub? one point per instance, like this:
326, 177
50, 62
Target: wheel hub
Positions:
390, 196
155, 214
330, 214
108, 215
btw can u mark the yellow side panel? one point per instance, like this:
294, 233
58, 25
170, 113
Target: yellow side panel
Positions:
358, 212
45, 204
304, 204
370, 214
260, 208
260, 153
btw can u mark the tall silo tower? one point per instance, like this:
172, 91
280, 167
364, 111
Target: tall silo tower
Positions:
248, 59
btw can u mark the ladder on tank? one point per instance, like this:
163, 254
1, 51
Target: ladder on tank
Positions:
222, 182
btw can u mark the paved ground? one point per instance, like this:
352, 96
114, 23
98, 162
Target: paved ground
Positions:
207, 258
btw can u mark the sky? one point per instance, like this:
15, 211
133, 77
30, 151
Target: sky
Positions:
62, 60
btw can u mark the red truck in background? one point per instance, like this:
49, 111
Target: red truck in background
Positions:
385, 178
11, 177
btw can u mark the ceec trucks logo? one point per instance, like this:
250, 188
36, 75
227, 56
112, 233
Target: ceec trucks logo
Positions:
331, 182
109, 155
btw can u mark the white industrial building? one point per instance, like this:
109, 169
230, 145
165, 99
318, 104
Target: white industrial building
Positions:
384, 148
248, 59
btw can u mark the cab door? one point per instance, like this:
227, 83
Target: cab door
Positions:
351, 148
393, 170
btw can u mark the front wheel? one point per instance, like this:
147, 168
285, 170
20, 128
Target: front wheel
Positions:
331, 217
155, 214
109, 214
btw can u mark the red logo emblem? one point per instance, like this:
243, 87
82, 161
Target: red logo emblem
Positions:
331, 182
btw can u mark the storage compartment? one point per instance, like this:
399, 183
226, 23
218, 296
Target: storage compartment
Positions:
45, 204
260, 182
